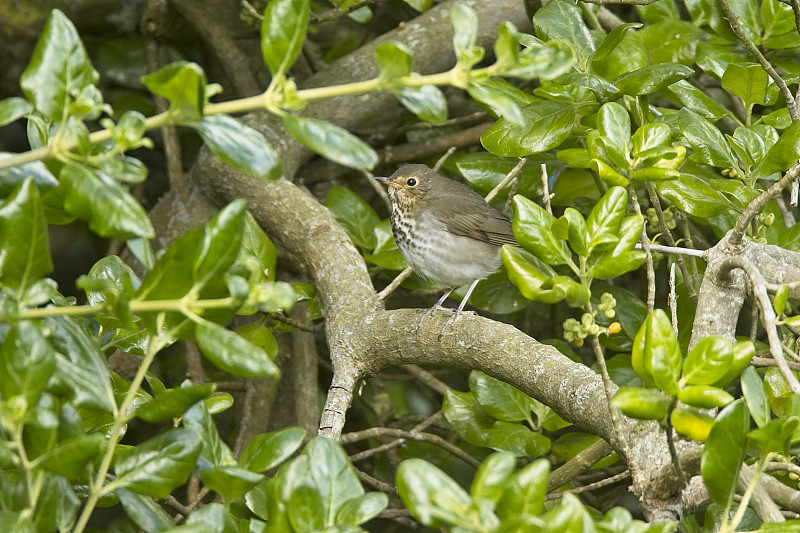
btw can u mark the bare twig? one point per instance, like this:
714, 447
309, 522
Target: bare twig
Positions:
625, 474
412, 435
390, 288
645, 244
757, 205
507, 179
672, 299
444, 158
546, 190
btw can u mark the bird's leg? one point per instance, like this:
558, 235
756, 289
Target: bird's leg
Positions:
460, 308
435, 307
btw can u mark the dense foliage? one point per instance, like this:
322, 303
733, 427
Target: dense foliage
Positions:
623, 142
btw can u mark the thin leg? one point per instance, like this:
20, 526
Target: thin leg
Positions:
435, 307
460, 308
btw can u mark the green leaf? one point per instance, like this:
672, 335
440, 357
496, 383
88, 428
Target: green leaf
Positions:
362, 508
532, 228
704, 396
650, 136
748, 82
641, 403
81, 372
231, 482
431, 495
608, 174
499, 103
465, 414
743, 352
71, 457
611, 40
230, 352
239, 145
173, 403
614, 125
158, 465
690, 96
546, 124
611, 266
607, 215
706, 140
26, 363
144, 512
708, 361
783, 153
577, 232
109, 209
756, 396
282, 33
691, 422
12, 109
598, 85
355, 215
775, 436
184, 85
724, 452
427, 102
59, 69
530, 275
524, 493
268, 450
24, 243
13, 177
562, 20
656, 356
652, 78
491, 479
749, 16
214, 451
465, 30
694, 195
501, 400
331, 142
331, 472
394, 59
197, 262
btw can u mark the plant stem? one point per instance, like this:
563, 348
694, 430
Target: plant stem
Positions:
120, 419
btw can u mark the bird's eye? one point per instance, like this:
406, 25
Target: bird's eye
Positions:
411, 182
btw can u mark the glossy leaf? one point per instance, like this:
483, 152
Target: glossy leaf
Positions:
465, 29
755, 396
656, 355
491, 479
59, 68
501, 400
26, 363
641, 403
706, 140
71, 457
743, 352
708, 361
783, 153
563, 20
331, 473
775, 436
692, 423
239, 145
184, 85
268, 450
159, 464
331, 141
23, 239
652, 78
465, 414
748, 82
546, 124
607, 215
649, 136
427, 102
230, 481
611, 266
431, 495
230, 352
173, 403
356, 216
694, 195
530, 275
108, 208
362, 508
613, 39
144, 512
614, 126
394, 59
532, 228
525, 491
283, 32
724, 452
693, 98
704, 396
12, 109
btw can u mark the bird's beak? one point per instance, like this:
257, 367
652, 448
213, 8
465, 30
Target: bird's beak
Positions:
387, 181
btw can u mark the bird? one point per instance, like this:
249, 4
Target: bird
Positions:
445, 231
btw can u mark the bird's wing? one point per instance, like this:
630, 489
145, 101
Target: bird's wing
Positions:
472, 217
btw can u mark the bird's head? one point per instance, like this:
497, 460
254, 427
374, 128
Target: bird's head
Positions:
411, 183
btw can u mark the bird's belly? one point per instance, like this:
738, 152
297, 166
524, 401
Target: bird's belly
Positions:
448, 259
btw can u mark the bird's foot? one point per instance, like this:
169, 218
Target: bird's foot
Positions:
457, 313
428, 312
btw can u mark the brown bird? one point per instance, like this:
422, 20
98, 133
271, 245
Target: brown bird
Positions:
446, 231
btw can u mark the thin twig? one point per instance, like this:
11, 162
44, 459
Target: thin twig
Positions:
335, 14
656, 203
546, 190
428, 379
390, 288
769, 361
377, 483
672, 299
253, 12
671, 249
506, 180
757, 205
444, 158
733, 20
676, 462
683, 220
785, 467
625, 474
645, 245
379, 189
412, 435
767, 315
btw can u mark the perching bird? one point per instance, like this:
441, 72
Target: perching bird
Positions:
446, 231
